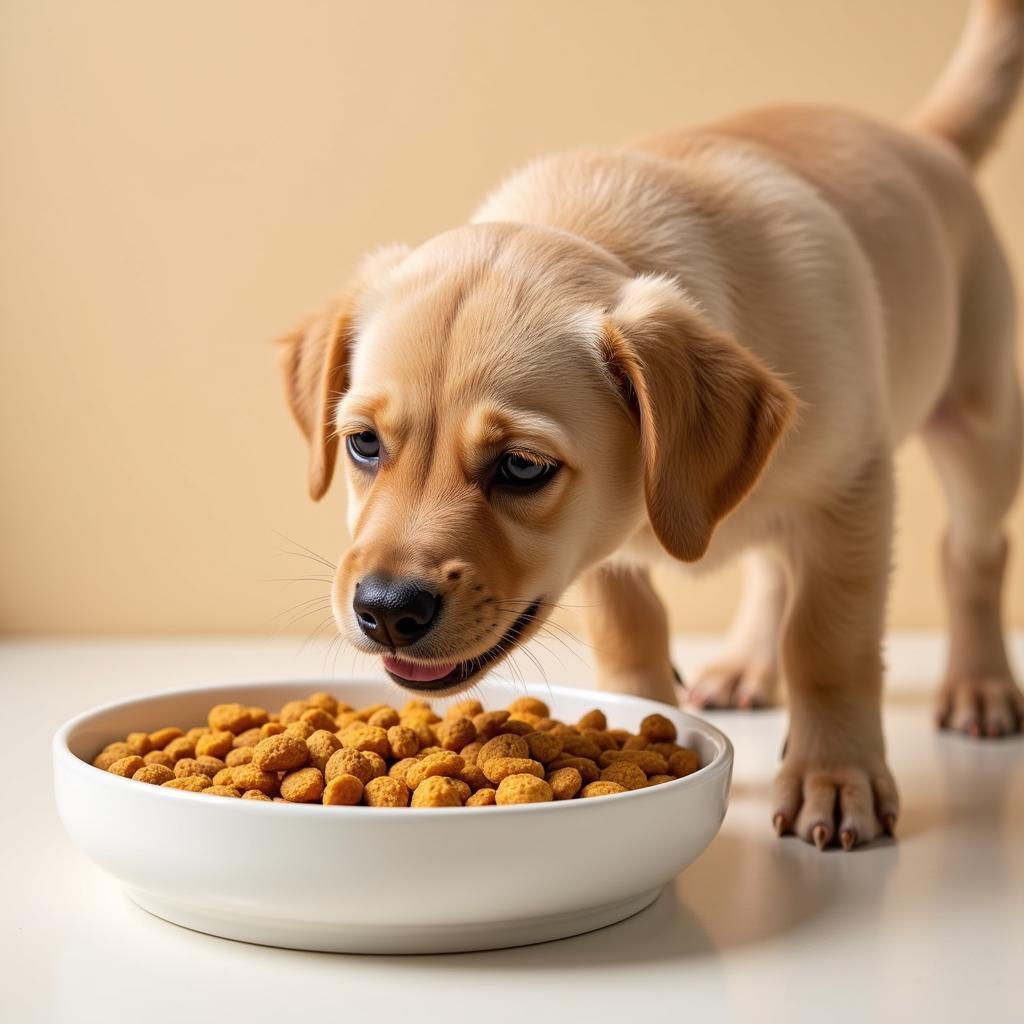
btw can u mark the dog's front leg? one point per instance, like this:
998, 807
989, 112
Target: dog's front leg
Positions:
834, 782
629, 632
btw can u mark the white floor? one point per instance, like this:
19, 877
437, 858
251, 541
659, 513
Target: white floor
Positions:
759, 929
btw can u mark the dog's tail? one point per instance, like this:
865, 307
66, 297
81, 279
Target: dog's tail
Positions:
972, 98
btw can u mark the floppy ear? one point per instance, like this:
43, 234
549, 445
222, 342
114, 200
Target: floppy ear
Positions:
710, 412
314, 361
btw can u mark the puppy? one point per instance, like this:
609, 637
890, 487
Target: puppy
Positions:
699, 343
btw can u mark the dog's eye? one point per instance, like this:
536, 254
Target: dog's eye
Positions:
515, 470
364, 447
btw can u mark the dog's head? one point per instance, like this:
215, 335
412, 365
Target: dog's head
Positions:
510, 406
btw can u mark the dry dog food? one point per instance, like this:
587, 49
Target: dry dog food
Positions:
321, 750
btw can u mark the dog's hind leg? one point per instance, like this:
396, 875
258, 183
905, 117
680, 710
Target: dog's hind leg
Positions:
747, 676
975, 439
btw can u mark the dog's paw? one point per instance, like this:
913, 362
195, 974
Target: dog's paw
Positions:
735, 683
986, 707
836, 803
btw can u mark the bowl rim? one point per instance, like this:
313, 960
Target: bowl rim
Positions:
66, 759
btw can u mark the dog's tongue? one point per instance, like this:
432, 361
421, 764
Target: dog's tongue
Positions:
416, 673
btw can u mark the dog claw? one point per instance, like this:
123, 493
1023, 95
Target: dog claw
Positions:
820, 836
779, 821
847, 839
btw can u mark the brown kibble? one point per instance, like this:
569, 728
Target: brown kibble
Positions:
464, 709
303, 786
543, 746
317, 719
162, 737
531, 705
292, 711
565, 783
657, 780
482, 798
139, 742
658, 729
255, 794
271, 729
321, 746
343, 791
181, 747
349, 762
580, 746
437, 791
344, 719
159, 757
683, 762
187, 766
588, 769
601, 788
232, 718
221, 791
386, 792
251, 776
378, 766
249, 738
225, 777
648, 760
324, 701
626, 774
210, 765
384, 718
280, 753
504, 745
455, 733
365, 714
258, 716
603, 739
154, 774
195, 732
114, 752
665, 749
237, 756
470, 751
517, 727
191, 783
368, 737
498, 768
523, 789
635, 743
126, 767
216, 744
474, 777
403, 741
299, 730
444, 763
399, 768
594, 719
488, 724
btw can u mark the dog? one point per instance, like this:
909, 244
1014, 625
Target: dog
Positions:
701, 343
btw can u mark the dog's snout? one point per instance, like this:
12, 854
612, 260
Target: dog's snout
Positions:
394, 612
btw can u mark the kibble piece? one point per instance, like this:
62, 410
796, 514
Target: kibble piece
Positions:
683, 762
343, 791
126, 767
162, 737
523, 789
658, 729
665, 749
648, 760
216, 744
504, 745
432, 749
210, 765
111, 754
437, 791
181, 747
626, 774
580, 746
517, 727
488, 723
194, 733
368, 737
601, 788
543, 746
384, 718
139, 742
386, 792
324, 701
594, 719
258, 716
221, 791
349, 762
474, 777
531, 705
237, 756
229, 718
565, 783
303, 786
470, 751
292, 711
443, 763
255, 794
321, 746
657, 780
588, 769
271, 729
192, 783
403, 741
378, 766
482, 798
455, 733
251, 776
399, 768
159, 757
187, 766
225, 777
299, 730
280, 753
603, 739
344, 719
318, 719
498, 768
249, 738
464, 709
154, 774
635, 743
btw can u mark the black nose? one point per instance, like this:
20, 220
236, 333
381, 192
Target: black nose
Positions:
394, 612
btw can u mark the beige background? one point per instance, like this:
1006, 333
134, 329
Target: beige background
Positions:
181, 180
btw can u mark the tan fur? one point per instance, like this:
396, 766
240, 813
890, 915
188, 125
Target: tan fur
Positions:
721, 335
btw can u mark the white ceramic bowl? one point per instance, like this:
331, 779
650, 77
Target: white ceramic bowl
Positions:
378, 880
